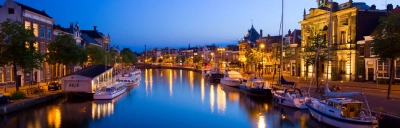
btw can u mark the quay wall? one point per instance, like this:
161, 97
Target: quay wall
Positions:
28, 102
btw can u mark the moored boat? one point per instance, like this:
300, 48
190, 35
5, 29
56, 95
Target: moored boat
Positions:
256, 85
232, 78
294, 99
110, 91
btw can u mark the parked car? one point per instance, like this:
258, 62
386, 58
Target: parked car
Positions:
4, 99
55, 85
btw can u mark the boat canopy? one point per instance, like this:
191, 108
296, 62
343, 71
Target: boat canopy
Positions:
328, 93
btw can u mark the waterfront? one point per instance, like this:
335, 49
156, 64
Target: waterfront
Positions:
164, 98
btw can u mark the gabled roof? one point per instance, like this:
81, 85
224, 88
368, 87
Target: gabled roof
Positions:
67, 30
33, 10
233, 47
92, 33
252, 35
90, 40
92, 71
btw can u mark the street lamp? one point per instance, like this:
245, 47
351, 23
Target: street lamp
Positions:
262, 60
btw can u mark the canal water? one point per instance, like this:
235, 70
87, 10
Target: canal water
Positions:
170, 98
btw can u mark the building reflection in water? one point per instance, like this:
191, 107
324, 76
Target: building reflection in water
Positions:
151, 80
212, 96
146, 78
191, 80
54, 117
261, 121
170, 83
202, 90
221, 100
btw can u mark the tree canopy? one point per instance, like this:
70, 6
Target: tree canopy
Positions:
128, 57
96, 54
17, 47
65, 51
387, 42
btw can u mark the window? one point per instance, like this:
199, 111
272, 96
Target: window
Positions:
372, 48
36, 45
10, 10
8, 75
361, 50
35, 29
49, 33
1, 74
342, 37
383, 68
397, 69
41, 29
42, 48
28, 25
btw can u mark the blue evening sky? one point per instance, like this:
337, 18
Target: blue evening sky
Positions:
176, 23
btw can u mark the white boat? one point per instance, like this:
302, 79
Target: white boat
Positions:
256, 85
110, 91
290, 98
131, 81
232, 78
342, 112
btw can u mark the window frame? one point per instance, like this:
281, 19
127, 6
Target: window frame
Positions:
35, 29
42, 31
48, 33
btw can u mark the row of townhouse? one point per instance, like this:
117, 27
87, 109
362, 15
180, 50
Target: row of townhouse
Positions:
45, 31
353, 25
222, 56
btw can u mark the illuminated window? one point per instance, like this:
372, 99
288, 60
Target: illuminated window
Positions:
28, 25
41, 29
383, 68
397, 69
35, 30
36, 45
343, 37
48, 33
1, 74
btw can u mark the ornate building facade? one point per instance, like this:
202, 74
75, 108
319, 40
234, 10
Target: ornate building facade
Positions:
350, 22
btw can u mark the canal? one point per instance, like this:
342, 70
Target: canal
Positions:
165, 98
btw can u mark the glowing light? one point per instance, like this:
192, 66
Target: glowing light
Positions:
170, 83
191, 80
202, 90
221, 100
212, 96
54, 117
261, 122
283, 116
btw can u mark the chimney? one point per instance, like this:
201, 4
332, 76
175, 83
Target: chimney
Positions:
94, 28
389, 7
335, 6
373, 7
261, 33
289, 32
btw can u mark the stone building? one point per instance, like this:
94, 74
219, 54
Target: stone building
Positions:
350, 22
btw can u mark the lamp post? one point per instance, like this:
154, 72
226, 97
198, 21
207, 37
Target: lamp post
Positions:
262, 58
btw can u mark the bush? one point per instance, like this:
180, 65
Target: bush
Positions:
16, 95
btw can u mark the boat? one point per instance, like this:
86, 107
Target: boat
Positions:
255, 85
232, 78
215, 74
110, 91
133, 78
294, 99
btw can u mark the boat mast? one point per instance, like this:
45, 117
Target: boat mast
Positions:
281, 69
329, 44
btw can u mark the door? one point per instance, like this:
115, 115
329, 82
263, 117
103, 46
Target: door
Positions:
370, 74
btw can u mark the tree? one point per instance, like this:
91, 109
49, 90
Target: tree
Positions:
153, 59
17, 47
128, 57
96, 54
387, 43
196, 59
253, 57
310, 52
64, 51
160, 60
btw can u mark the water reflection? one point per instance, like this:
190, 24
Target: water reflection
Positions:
173, 103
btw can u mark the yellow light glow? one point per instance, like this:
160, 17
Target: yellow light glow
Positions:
54, 117
221, 100
191, 80
170, 82
212, 96
261, 122
202, 90
283, 116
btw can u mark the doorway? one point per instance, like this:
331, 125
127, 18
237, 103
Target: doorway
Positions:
370, 74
